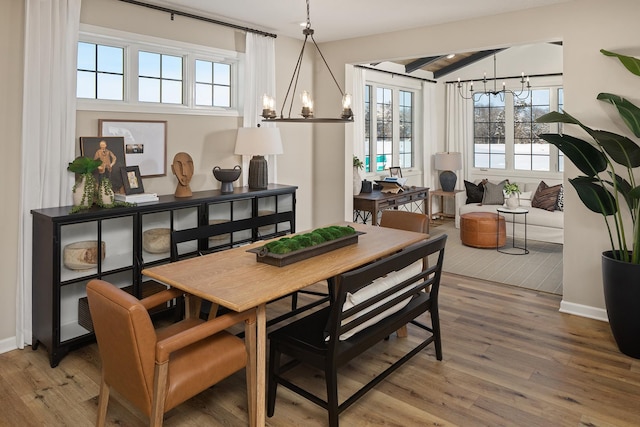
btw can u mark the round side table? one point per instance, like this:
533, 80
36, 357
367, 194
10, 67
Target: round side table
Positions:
515, 250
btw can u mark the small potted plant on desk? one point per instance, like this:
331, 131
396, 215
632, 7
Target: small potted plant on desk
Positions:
605, 192
84, 189
513, 191
357, 179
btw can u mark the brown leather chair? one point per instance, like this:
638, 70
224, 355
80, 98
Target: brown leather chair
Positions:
408, 221
156, 370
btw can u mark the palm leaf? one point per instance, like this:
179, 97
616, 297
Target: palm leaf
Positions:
585, 156
628, 111
595, 197
621, 149
632, 64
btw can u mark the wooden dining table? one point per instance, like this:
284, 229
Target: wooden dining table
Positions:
234, 279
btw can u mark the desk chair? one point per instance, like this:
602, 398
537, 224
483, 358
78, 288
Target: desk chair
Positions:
408, 221
156, 370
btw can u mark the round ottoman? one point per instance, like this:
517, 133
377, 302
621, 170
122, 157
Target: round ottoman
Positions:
479, 230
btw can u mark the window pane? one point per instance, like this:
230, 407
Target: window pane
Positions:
86, 85
110, 59
204, 73
221, 96
171, 67
204, 95
110, 86
526, 130
222, 74
148, 90
149, 64
171, 92
86, 56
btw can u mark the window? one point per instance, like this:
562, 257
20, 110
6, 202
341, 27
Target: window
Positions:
390, 131
489, 132
119, 71
160, 78
100, 72
506, 132
531, 152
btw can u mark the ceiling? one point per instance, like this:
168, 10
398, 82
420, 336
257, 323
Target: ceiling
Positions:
339, 19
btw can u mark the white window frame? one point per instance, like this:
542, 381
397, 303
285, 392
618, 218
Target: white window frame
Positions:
132, 43
398, 83
552, 83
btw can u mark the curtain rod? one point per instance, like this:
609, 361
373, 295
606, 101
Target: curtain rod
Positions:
200, 18
506, 78
395, 74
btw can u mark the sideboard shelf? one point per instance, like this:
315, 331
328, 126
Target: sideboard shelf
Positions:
241, 217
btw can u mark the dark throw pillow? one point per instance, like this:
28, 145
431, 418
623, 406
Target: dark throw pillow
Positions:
546, 197
493, 193
474, 192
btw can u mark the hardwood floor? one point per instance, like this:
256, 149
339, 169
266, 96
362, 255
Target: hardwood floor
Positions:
510, 359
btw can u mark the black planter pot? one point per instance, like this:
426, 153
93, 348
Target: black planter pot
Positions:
621, 282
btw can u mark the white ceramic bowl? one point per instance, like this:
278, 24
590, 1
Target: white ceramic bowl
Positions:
82, 255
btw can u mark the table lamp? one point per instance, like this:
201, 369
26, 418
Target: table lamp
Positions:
447, 163
258, 142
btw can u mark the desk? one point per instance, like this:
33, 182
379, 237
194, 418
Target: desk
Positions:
376, 201
442, 194
234, 279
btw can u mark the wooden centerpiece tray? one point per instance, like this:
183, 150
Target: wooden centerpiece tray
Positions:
280, 260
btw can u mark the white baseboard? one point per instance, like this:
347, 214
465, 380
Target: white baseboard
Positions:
8, 344
584, 311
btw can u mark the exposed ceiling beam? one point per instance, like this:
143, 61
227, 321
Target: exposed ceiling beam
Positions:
464, 62
421, 62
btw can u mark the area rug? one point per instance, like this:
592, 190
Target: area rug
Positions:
539, 270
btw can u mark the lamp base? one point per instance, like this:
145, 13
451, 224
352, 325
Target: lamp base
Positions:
448, 180
258, 173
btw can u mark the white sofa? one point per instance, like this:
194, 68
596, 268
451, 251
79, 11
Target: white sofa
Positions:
542, 225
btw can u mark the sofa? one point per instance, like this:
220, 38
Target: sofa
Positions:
544, 223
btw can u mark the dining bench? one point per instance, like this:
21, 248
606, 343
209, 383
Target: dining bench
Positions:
370, 303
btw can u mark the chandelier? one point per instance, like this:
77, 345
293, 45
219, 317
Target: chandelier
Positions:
268, 103
521, 95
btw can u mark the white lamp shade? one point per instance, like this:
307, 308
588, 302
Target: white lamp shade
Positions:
258, 141
448, 161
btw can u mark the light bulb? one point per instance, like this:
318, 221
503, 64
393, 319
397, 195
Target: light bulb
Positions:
346, 101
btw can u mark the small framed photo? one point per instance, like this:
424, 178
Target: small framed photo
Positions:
132, 180
395, 172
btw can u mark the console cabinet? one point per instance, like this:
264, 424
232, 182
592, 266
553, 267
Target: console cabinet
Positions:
59, 288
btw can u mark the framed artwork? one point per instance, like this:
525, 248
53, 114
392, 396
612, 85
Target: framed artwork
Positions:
110, 150
145, 143
132, 180
395, 172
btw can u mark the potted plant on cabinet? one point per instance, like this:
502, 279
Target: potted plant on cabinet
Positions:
604, 191
84, 190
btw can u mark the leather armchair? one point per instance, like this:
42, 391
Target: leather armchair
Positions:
156, 370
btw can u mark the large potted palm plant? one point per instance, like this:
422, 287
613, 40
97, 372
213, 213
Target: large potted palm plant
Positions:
607, 186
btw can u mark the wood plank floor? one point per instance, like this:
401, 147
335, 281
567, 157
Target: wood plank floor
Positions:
510, 359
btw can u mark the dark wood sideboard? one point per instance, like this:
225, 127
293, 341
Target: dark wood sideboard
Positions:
58, 291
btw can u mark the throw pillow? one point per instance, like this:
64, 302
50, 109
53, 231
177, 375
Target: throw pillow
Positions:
546, 197
493, 193
560, 202
474, 192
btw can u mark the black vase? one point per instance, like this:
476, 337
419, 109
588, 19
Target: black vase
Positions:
621, 283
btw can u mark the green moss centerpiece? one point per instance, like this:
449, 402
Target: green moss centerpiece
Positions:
288, 250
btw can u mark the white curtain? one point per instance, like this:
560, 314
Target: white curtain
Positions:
357, 106
430, 129
48, 128
259, 79
459, 126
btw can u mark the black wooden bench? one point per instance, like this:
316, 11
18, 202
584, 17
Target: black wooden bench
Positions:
370, 303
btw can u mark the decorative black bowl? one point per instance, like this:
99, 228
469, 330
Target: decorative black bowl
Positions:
226, 177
